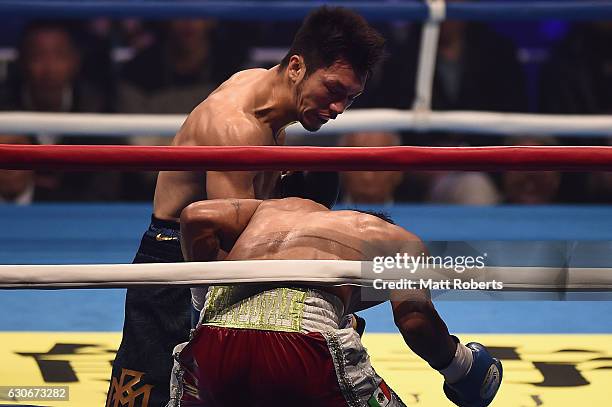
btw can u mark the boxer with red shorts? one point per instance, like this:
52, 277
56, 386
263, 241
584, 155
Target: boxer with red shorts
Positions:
262, 344
331, 57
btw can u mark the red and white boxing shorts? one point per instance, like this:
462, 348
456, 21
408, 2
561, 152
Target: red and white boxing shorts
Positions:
279, 346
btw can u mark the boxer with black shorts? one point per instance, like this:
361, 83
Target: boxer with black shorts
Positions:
326, 68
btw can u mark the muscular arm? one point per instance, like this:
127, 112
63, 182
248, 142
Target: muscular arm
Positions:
239, 130
472, 376
208, 227
421, 327
416, 317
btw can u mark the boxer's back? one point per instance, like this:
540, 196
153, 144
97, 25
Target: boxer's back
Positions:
295, 229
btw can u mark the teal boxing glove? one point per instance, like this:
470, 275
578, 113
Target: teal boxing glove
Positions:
481, 382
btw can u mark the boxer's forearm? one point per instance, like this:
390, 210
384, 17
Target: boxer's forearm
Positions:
200, 231
207, 226
204, 246
424, 332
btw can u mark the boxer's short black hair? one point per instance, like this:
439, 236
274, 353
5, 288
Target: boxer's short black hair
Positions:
329, 34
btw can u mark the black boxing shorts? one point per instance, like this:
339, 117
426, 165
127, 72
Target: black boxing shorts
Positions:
156, 320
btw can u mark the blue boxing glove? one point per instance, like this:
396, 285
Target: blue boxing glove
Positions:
321, 187
478, 386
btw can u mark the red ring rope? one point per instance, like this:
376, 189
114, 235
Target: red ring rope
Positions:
260, 158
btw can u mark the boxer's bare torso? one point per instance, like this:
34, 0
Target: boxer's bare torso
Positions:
237, 113
294, 229
253, 108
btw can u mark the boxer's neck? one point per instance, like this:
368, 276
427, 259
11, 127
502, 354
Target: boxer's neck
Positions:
275, 103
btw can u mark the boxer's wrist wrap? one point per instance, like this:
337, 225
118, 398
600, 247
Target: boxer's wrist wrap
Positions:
480, 384
459, 366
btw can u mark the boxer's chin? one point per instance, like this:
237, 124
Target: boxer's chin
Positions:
311, 125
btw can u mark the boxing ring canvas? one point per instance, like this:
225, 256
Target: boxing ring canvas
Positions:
555, 353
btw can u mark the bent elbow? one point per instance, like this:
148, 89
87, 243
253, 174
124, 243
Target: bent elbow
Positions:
196, 213
188, 214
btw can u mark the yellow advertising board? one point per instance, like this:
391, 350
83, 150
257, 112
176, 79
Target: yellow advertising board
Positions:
539, 370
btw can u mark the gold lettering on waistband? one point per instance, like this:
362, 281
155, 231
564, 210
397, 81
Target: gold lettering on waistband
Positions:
278, 309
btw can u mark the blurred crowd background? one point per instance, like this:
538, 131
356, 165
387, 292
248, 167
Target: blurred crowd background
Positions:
168, 67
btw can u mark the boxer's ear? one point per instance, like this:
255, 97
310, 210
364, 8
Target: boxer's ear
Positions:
296, 68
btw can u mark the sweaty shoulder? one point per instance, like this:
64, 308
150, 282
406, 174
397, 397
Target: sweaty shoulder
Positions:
375, 226
224, 118
378, 231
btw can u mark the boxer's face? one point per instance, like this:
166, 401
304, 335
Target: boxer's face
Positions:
326, 93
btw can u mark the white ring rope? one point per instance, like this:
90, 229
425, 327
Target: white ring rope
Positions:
352, 121
421, 119
316, 272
